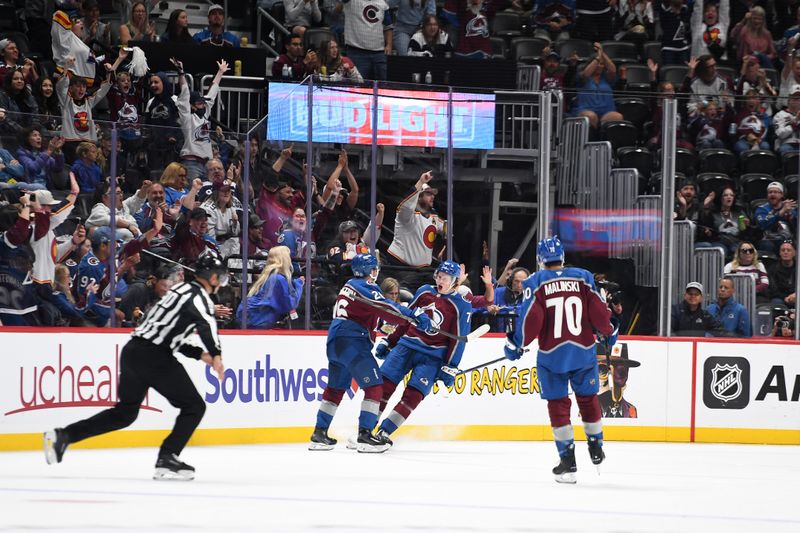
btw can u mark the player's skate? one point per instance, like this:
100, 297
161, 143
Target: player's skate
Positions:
385, 436
55, 444
596, 452
321, 441
369, 443
170, 467
566, 469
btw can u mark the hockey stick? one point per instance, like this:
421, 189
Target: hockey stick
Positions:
480, 332
148, 252
456, 372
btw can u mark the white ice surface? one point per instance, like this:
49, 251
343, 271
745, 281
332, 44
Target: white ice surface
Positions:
434, 486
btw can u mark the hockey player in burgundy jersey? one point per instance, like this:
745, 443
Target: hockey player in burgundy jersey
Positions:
424, 353
563, 309
349, 350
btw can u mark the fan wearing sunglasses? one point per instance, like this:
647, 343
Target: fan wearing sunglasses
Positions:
745, 261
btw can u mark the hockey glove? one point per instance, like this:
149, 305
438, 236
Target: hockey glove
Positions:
423, 322
382, 349
512, 351
445, 376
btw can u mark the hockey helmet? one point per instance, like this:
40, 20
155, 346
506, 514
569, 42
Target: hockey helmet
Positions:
209, 264
449, 267
363, 265
550, 250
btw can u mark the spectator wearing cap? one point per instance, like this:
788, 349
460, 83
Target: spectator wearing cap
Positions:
127, 227
553, 19
194, 110
255, 237
782, 276
351, 243
430, 40
745, 261
687, 207
138, 27
787, 125
553, 77
91, 268
296, 58
191, 237
275, 207
223, 219
142, 295
214, 34
690, 319
777, 218
41, 238
731, 314
416, 226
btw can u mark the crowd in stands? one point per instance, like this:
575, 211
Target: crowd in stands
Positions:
177, 184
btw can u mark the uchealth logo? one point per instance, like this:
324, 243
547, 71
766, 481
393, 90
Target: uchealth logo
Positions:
726, 383
59, 384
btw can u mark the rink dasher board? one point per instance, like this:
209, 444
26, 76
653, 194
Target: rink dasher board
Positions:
685, 390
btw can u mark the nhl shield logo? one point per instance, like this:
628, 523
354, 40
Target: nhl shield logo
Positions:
726, 382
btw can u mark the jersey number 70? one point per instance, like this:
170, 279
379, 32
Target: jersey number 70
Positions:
569, 310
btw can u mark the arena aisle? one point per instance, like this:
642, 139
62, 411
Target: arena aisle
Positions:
464, 486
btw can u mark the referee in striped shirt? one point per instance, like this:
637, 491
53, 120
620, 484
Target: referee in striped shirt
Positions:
147, 361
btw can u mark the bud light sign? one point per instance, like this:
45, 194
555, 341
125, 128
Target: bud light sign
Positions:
405, 118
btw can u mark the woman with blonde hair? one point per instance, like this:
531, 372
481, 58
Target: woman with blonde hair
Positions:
174, 181
274, 294
138, 28
753, 38
745, 261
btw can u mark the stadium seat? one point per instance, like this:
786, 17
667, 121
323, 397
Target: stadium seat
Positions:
23, 44
582, 47
655, 182
758, 161
791, 163
754, 186
717, 160
621, 51
673, 74
498, 47
790, 182
506, 24
685, 161
638, 158
712, 181
527, 49
727, 72
8, 17
619, 133
314, 37
634, 110
652, 50
638, 74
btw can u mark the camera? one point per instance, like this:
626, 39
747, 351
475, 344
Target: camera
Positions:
611, 291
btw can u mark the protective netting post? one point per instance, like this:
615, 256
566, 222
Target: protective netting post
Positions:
667, 195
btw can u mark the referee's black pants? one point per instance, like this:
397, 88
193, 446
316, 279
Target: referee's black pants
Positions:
144, 365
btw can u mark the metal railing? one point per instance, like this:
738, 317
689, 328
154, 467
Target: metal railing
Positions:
241, 102
278, 27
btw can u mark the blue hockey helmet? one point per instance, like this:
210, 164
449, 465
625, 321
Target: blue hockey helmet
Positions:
363, 265
550, 250
449, 267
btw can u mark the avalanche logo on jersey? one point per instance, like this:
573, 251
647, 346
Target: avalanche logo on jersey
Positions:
429, 236
93, 261
201, 134
477, 27
435, 315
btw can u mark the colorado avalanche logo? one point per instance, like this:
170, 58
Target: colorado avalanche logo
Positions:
81, 121
435, 315
371, 14
477, 27
726, 382
201, 134
711, 36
